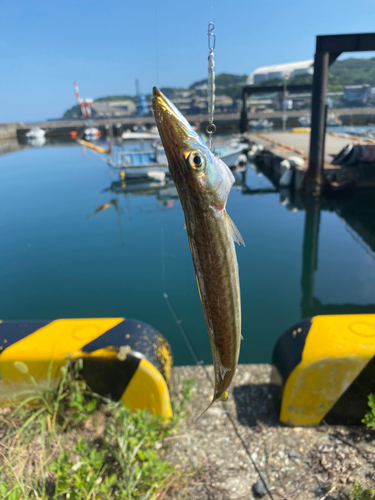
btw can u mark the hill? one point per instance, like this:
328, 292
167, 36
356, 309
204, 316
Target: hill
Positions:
351, 71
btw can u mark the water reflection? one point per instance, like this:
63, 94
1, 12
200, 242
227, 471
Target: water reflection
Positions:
356, 210
164, 190
111, 264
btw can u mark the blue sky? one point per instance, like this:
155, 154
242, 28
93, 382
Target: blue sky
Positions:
104, 46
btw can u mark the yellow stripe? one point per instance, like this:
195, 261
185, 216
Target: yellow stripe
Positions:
337, 348
148, 389
54, 342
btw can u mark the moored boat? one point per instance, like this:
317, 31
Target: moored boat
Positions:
35, 133
91, 133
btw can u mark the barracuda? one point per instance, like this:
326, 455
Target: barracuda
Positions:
203, 183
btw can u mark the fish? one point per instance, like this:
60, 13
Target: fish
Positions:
203, 182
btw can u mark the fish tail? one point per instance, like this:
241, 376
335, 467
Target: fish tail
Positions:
223, 397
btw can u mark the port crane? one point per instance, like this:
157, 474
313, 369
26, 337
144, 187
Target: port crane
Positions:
85, 104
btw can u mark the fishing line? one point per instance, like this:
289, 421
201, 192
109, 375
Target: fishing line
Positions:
156, 46
194, 355
170, 307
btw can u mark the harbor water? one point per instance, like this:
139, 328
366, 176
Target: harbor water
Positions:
60, 259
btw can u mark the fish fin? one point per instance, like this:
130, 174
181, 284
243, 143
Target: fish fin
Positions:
233, 231
223, 397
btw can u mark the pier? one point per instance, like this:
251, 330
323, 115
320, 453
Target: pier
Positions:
224, 122
275, 147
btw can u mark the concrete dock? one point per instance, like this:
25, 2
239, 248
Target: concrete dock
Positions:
279, 146
223, 121
284, 144
233, 443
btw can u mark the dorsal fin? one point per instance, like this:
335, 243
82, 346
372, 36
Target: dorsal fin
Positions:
233, 231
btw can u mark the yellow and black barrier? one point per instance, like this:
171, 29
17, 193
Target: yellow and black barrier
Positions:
325, 367
123, 359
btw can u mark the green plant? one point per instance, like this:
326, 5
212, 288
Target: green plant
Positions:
181, 399
358, 493
369, 418
67, 442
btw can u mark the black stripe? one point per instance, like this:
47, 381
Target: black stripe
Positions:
287, 353
109, 376
139, 336
14, 331
351, 406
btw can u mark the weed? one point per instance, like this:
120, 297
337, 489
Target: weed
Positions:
358, 493
369, 418
70, 443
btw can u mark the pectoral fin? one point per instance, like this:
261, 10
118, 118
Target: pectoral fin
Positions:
233, 231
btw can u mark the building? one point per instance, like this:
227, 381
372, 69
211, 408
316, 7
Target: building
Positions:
280, 71
113, 108
356, 95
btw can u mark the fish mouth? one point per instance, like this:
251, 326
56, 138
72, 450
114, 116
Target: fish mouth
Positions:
175, 132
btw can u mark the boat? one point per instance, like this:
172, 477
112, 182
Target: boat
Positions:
261, 124
140, 133
138, 161
35, 133
333, 120
91, 133
231, 157
230, 150
304, 121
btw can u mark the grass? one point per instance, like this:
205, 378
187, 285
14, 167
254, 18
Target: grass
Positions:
358, 493
369, 418
69, 443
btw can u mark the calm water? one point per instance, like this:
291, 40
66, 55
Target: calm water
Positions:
57, 262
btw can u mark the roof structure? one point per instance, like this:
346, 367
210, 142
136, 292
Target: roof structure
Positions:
280, 70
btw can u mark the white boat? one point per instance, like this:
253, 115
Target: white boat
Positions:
332, 121
35, 133
91, 133
230, 157
140, 133
304, 121
228, 150
139, 136
261, 124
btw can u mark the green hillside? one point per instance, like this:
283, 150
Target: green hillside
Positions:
352, 71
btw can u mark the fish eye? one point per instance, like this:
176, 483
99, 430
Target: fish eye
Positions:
196, 160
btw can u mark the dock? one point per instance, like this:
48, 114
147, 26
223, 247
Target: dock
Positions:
279, 146
235, 443
283, 144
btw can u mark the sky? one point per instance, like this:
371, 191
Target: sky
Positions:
105, 45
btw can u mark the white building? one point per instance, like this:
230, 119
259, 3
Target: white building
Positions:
280, 71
